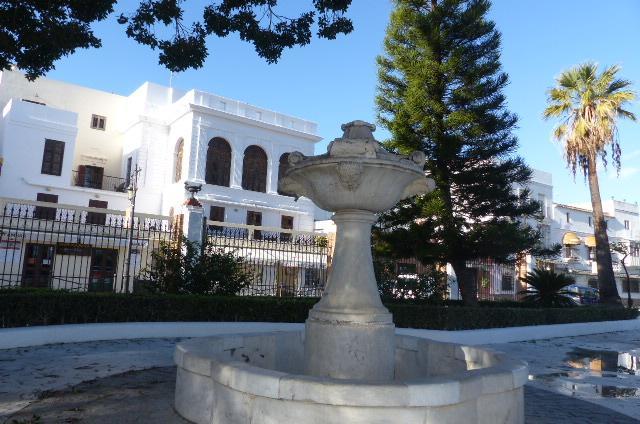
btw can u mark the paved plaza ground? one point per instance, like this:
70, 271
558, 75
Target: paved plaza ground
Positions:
586, 379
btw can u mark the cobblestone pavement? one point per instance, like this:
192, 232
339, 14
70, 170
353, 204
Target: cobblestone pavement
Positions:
28, 373
141, 397
587, 379
603, 369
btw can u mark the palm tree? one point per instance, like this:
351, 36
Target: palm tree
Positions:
589, 106
546, 288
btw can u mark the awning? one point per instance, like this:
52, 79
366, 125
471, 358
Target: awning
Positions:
570, 239
590, 241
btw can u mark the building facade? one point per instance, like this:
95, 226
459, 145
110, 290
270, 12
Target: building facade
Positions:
74, 145
572, 227
81, 149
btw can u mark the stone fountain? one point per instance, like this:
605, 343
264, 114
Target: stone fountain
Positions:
348, 366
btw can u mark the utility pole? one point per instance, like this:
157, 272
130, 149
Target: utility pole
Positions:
132, 191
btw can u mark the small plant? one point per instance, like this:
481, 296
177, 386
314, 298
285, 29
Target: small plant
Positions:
548, 289
192, 268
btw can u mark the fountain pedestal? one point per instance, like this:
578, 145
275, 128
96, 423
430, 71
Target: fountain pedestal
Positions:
349, 333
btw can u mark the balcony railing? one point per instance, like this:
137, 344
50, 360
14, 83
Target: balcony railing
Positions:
104, 182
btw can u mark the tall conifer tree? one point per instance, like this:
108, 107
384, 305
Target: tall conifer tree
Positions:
441, 91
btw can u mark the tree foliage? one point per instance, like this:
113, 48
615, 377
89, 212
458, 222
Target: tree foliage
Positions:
190, 268
548, 289
589, 105
35, 33
441, 91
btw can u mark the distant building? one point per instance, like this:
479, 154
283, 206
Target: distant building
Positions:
64, 143
572, 227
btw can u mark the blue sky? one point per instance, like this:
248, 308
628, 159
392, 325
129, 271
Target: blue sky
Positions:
332, 82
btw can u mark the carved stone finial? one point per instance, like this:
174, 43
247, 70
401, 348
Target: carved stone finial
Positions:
358, 130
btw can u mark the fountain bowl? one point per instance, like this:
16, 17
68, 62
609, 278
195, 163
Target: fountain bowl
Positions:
338, 183
258, 379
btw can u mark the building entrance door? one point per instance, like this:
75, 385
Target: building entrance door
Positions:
38, 262
104, 264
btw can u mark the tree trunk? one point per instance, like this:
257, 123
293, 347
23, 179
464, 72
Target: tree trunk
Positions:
466, 283
606, 278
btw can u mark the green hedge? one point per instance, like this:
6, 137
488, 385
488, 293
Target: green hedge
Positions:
27, 308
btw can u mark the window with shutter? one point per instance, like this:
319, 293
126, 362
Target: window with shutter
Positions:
43, 212
218, 168
52, 157
254, 169
96, 217
286, 223
216, 213
255, 218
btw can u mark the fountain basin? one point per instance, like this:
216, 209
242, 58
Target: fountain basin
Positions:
258, 379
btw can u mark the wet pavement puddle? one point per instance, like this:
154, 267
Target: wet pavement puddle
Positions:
596, 373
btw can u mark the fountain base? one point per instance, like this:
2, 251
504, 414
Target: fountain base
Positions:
259, 379
347, 349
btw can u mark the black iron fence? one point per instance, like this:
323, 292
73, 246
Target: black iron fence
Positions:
44, 245
47, 245
282, 262
496, 281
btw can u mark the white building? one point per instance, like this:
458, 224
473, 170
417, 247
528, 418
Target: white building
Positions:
68, 144
572, 227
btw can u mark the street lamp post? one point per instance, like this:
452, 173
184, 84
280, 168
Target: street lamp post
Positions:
132, 191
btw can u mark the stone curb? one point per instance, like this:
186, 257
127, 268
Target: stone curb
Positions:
75, 333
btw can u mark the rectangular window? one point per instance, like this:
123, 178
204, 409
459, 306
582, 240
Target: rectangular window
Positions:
52, 157
98, 122
286, 223
255, 218
626, 224
592, 253
216, 213
96, 217
90, 176
568, 218
507, 282
634, 249
42, 212
635, 285
590, 222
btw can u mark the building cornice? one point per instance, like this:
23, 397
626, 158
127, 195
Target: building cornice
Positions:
254, 122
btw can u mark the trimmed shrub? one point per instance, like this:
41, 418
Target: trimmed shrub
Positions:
47, 307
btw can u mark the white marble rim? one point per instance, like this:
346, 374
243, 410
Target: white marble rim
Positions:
505, 375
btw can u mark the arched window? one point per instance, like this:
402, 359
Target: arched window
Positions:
218, 167
254, 169
282, 168
177, 173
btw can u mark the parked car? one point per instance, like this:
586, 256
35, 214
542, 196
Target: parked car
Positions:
584, 295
